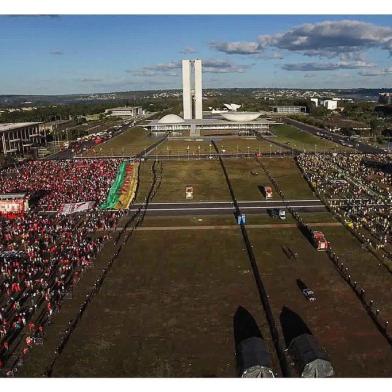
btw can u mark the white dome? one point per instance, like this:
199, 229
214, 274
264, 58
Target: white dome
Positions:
171, 119
240, 116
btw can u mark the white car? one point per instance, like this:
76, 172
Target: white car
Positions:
309, 295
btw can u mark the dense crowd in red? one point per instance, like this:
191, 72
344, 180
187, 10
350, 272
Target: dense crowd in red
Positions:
59, 182
41, 255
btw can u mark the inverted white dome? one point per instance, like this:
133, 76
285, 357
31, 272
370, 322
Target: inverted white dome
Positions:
171, 119
240, 116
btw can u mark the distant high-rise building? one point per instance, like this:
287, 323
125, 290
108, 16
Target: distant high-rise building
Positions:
385, 98
330, 104
186, 89
191, 111
198, 90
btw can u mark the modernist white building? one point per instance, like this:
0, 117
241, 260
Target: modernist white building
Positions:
192, 99
127, 111
194, 123
385, 98
330, 104
176, 125
20, 137
289, 109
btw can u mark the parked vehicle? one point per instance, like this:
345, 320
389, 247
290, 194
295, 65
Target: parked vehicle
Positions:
189, 192
319, 241
268, 192
309, 295
306, 291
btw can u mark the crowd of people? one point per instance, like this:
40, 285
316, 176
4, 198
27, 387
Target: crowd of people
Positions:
359, 189
42, 256
55, 182
90, 141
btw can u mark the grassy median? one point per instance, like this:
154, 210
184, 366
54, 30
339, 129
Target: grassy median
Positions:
301, 140
130, 142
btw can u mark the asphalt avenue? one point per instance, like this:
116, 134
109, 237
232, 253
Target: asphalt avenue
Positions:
68, 153
362, 147
213, 208
225, 207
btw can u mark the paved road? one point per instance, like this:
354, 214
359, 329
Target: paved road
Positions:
215, 156
362, 147
225, 227
227, 207
218, 208
144, 154
68, 154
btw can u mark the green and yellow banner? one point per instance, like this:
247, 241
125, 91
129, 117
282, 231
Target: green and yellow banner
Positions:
123, 189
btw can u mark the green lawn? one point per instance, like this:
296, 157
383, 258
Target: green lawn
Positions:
166, 309
364, 267
251, 145
145, 180
183, 146
224, 220
209, 184
337, 319
289, 178
225, 145
130, 142
206, 177
295, 138
247, 186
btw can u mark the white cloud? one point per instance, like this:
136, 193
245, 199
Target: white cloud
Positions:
223, 66
188, 50
331, 38
377, 72
90, 80
236, 47
313, 66
324, 39
173, 68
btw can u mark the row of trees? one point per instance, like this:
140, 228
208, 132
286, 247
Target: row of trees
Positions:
74, 110
56, 112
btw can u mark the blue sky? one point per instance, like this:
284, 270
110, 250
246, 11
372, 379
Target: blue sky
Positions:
86, 54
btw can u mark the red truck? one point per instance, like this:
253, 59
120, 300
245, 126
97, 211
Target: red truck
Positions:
319, 241
268, 192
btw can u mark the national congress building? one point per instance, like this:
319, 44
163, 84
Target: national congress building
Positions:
195, 122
